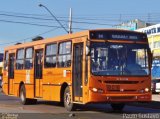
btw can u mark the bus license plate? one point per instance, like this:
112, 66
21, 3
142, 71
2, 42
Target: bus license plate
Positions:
113, 87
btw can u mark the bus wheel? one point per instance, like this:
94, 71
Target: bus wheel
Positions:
23, 98
117, 106
67, 100
23, 95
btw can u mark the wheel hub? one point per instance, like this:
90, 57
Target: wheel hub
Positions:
22, 96
68, 98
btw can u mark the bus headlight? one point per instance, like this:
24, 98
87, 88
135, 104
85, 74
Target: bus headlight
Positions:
97, 90
146, 89
94, 89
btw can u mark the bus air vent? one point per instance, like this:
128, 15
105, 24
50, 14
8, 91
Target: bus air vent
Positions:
121, 82
37, 38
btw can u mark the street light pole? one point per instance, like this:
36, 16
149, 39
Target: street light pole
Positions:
40, 5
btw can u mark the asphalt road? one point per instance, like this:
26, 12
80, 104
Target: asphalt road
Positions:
11, 107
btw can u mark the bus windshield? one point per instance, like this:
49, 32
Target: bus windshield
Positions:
119, 59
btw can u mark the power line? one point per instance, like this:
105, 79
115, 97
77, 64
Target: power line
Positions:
30, 16
116, 14
81, 22
21, 16
19, 22
108, 18
41, 5
42, 25
39, 18
30, 37
107, 15
49, 19
8, 12
27, 38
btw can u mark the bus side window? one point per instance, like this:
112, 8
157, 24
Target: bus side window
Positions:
64, 55
20, 59
6, 61
50, 55
29, 58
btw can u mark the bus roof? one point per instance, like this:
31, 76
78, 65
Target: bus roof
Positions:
63, 37
48, 40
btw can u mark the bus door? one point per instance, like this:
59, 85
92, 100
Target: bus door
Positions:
38, 72
77, 71
11, 73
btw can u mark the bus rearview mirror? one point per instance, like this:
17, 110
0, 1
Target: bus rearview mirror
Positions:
87, 51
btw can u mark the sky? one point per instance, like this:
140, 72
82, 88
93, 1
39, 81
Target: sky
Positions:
22, 20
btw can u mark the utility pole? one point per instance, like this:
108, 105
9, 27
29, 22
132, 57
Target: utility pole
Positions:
40, 5
70, 21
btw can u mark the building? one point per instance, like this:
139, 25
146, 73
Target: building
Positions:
153, 34
133, 25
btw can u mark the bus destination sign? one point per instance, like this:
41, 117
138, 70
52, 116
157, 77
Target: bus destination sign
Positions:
126, 37
118, 35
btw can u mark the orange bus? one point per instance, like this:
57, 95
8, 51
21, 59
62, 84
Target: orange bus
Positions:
94, 66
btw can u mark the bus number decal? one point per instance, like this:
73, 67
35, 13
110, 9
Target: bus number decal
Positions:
27, 76
64, 73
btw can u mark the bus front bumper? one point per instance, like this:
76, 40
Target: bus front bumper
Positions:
98, 97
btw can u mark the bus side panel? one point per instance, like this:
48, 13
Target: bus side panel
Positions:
62, 75
47, 92
51, 92
55, 93
29, 83
47, 77
29, 91
19, 77
5, 82
5, 88
26, 78
16, 89
53, 79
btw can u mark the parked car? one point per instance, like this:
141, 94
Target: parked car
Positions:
155, 86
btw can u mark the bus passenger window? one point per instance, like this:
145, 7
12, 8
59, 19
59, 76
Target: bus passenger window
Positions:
20, 59
6, 61
28, 58
64, 58
50, 55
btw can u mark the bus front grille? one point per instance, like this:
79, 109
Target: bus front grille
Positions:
122, 98
123, 91
121, 82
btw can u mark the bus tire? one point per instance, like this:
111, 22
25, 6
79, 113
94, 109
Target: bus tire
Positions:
68, 104
23, 98
117, 106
